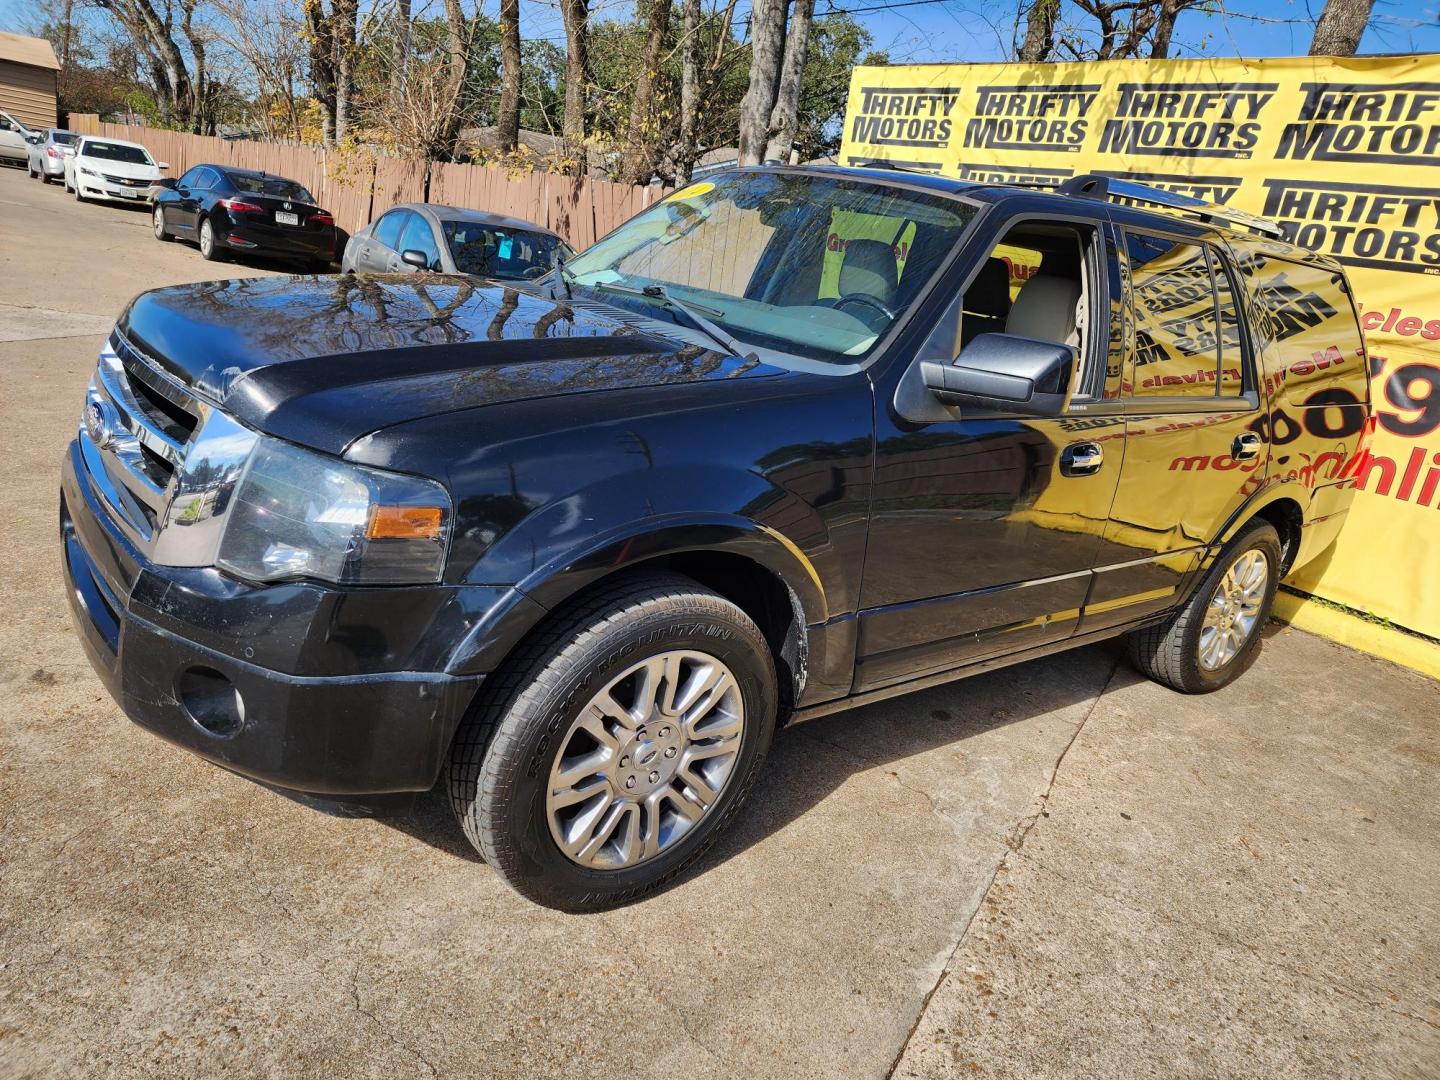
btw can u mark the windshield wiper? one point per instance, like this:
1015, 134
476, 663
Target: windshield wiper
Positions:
690, 311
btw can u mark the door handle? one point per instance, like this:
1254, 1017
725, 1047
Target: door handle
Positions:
1081, 459
1245, 446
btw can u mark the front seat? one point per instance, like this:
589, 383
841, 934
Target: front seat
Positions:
869, 268
987, 302
1045, 310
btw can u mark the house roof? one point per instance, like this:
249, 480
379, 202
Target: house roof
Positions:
537, 142
31, 51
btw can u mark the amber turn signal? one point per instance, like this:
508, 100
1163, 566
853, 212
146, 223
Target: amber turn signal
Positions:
404, 523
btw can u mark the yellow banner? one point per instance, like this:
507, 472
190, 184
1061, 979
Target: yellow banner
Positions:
1344, 153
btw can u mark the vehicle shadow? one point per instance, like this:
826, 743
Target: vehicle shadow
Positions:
811, 760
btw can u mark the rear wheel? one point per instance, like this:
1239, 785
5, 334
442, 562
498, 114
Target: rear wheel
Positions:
44, 177
610, 753
1214, 638
210, 248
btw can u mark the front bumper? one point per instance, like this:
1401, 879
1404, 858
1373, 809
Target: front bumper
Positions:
184, 652
96, 187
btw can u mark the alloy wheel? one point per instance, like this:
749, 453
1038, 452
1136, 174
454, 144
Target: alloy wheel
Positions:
645, 760
159, 222
1234, 610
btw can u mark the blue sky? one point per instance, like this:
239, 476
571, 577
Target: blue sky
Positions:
977, 30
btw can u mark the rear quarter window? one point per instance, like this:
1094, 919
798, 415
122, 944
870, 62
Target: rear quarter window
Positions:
1315, 356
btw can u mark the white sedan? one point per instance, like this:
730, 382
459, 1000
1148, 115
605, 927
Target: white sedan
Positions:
112, 169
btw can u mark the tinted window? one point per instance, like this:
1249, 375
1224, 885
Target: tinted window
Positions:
1177, 327
130, 155
277, 186
5, 124
1310, 325
807, 265
419, 237
388, 231
505, 254
191, 179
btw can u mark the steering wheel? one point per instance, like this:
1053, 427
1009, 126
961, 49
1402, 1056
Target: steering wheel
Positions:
864, 300
532, 272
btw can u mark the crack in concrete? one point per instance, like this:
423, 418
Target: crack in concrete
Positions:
1013, 843
382, 1027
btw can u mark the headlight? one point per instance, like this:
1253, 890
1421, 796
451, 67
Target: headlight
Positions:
296, 514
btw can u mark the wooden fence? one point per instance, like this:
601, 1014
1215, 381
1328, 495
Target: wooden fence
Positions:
357, 186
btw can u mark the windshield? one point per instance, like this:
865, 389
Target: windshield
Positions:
503, 254
277, 186
809, 265
131, 155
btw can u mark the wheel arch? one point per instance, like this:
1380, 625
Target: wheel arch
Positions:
1282, 508
754, 567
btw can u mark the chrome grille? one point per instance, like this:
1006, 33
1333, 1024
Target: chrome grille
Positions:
140, 430
127, 181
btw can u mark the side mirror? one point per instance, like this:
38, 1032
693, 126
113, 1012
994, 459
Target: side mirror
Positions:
162, 165
167, 182
1005, 373
416, 258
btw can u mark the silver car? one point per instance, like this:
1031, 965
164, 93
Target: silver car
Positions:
47, 156
453, 240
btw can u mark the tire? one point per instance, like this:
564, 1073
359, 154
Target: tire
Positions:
500, 769
78, 197
44, 177
1182, 652
210, 249
30, 171
158, 224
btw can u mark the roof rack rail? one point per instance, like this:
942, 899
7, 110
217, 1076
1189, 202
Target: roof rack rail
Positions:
1095, 186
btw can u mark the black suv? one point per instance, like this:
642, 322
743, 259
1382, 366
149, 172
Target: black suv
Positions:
791, 440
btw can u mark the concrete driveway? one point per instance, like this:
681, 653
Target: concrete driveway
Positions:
1054, 870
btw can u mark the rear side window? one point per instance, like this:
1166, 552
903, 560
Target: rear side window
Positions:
388, 231
1187, 325
1310, 327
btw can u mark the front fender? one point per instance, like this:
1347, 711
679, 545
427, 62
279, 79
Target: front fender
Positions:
550, 585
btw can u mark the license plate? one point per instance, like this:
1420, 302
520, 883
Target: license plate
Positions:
129, 194
282, 218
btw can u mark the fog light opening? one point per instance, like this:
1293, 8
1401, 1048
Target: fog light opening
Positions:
211, 701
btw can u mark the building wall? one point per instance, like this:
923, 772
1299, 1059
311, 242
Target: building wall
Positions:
28, 93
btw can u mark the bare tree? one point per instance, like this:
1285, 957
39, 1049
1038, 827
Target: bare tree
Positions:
457, 67
1039, 41
1125, 29
183, 94
507, 116
784, 117
576, 14
767, 42
1340, 27
642, 142
267, 36
344, 14
686, 150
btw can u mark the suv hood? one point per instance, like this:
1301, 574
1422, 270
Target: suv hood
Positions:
323, 361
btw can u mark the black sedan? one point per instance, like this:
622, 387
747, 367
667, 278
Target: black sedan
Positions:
224, 209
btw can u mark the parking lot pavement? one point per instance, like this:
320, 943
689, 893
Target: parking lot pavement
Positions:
1058, 869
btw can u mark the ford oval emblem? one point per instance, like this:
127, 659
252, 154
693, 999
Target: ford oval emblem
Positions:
98, 426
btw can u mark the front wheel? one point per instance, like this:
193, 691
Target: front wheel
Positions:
1214, 638
608, 755
159, 223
